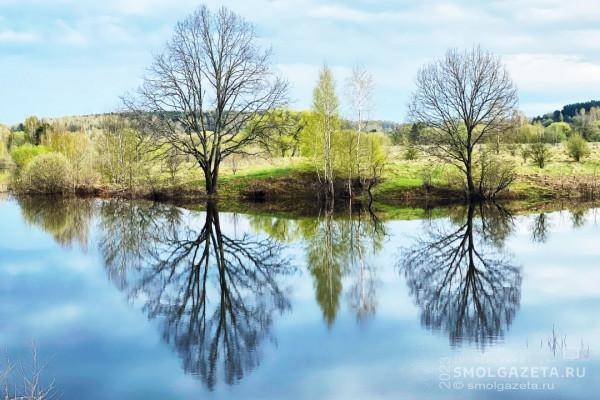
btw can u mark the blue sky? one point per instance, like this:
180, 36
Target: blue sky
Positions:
66, 57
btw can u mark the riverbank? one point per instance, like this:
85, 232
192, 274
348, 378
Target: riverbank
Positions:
404, 182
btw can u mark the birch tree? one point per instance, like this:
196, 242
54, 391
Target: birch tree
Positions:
359, 90
326, 109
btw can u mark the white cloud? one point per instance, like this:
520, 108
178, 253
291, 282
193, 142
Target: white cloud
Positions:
69, 35
14, 37
554, 11
552, 71
344, 13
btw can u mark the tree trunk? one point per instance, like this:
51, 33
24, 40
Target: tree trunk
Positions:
211, 179
470, 184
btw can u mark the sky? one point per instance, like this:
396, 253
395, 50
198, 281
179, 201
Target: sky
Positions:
70, 57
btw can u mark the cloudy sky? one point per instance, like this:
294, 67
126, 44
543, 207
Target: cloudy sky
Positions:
65, 57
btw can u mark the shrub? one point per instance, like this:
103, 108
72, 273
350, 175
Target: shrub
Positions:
495, 175
411, 152
48, 173
78, 148
540, 154
15, 139
525, 152
577, 147
22, 155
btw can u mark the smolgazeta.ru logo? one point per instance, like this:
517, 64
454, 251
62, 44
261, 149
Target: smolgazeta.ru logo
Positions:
538, 372
500, 378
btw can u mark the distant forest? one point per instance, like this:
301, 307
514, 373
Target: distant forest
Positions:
567, 113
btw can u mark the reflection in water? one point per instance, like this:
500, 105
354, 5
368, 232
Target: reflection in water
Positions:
66, 219
335, 248
215, 294
540, 228
578, 217
461, 279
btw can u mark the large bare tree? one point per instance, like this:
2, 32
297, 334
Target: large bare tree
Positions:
463, 98
201, 92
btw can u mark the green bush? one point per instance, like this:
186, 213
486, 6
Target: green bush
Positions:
577, 147
411, 152
16, 139
540, 154
22, 155
48, 173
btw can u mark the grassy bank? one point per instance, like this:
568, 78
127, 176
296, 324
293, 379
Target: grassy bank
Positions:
425, 180
419, 181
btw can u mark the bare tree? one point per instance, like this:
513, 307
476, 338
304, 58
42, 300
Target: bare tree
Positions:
359, 89
463, 98
211, 80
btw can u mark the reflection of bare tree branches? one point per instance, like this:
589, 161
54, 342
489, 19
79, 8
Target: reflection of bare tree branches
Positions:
214, 294
362, 294
461, 280
126, 227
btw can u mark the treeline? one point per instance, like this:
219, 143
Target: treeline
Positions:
107, 152
568, 112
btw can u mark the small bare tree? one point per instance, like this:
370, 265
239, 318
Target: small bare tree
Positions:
463, 98
211, 80
359, 90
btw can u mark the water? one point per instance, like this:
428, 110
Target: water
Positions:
140, 300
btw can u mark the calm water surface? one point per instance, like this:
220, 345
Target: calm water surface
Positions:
138, 300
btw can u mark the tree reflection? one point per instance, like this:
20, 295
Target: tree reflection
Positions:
66, 219
578, 217
214, 294
540, 228
461, 279
337, 246
366, 239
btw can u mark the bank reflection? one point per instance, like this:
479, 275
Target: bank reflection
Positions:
461, 278
214, 294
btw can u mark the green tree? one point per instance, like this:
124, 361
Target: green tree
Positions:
577, 147
123, 153
556, 132
539, 153
327, 121
35, 129
586, 123
282, 136
22, 155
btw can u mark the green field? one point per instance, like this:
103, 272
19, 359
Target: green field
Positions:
404, 177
